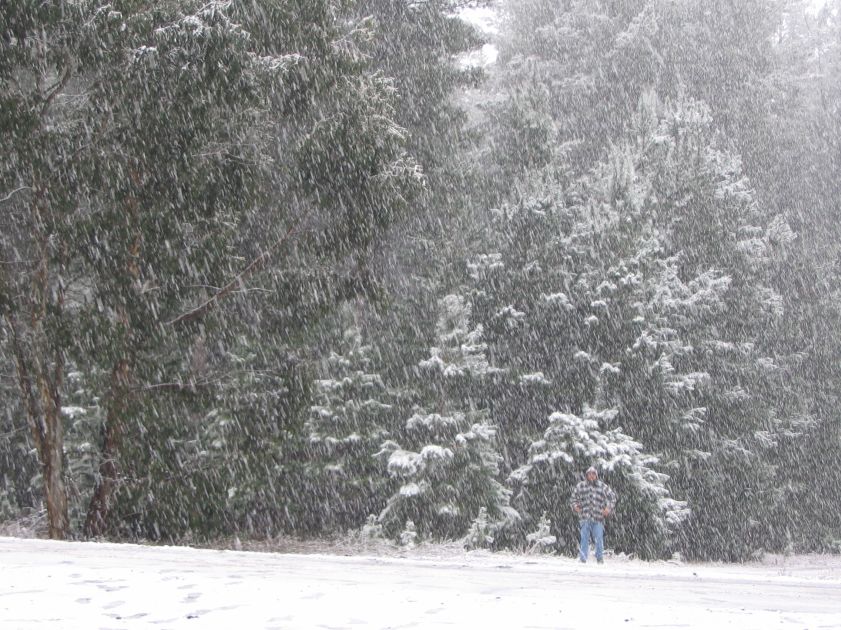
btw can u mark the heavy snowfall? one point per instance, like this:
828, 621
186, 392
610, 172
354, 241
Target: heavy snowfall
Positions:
397, 273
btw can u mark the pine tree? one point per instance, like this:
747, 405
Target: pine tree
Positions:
584, 65
799, 161
480, 535
665, 286
451, 469
718, 232
541, 540
353, 414
645, 513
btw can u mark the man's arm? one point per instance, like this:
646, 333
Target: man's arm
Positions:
573, 500
610, 495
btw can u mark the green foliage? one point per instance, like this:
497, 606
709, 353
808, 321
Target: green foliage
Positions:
450, 468
645, 513
197, 141
228, 464
541, 540
414, 43
480, 534
191, 193
685, 304
353, 413
450, 476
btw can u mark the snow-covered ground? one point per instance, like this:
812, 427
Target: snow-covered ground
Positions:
94, 586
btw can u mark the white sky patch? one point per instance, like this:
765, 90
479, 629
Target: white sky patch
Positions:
486, 20
815, 6
62, 585
483, 57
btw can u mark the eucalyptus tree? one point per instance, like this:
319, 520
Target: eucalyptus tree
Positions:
198, 139
290, 137
41, 124
18, 465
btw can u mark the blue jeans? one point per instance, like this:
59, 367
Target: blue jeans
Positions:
596, 530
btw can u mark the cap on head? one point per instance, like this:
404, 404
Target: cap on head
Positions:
592, 469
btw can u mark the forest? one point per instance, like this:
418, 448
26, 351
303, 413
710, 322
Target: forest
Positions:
299, 267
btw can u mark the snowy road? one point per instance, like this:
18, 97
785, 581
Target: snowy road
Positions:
51, 585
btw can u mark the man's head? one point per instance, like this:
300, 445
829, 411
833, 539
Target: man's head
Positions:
592, 474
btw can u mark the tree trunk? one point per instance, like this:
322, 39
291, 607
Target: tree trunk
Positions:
117, 407
53, 463
99, 508
40, 368
38, 291
42, 400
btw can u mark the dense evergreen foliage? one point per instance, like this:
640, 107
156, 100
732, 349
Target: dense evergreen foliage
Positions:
293, 266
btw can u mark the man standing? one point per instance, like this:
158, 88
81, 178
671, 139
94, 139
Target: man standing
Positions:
592, 500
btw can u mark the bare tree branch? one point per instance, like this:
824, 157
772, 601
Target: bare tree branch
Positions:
14, 192
255, 265
55, 90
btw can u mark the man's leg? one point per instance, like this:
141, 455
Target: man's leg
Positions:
598, 534
584, 548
